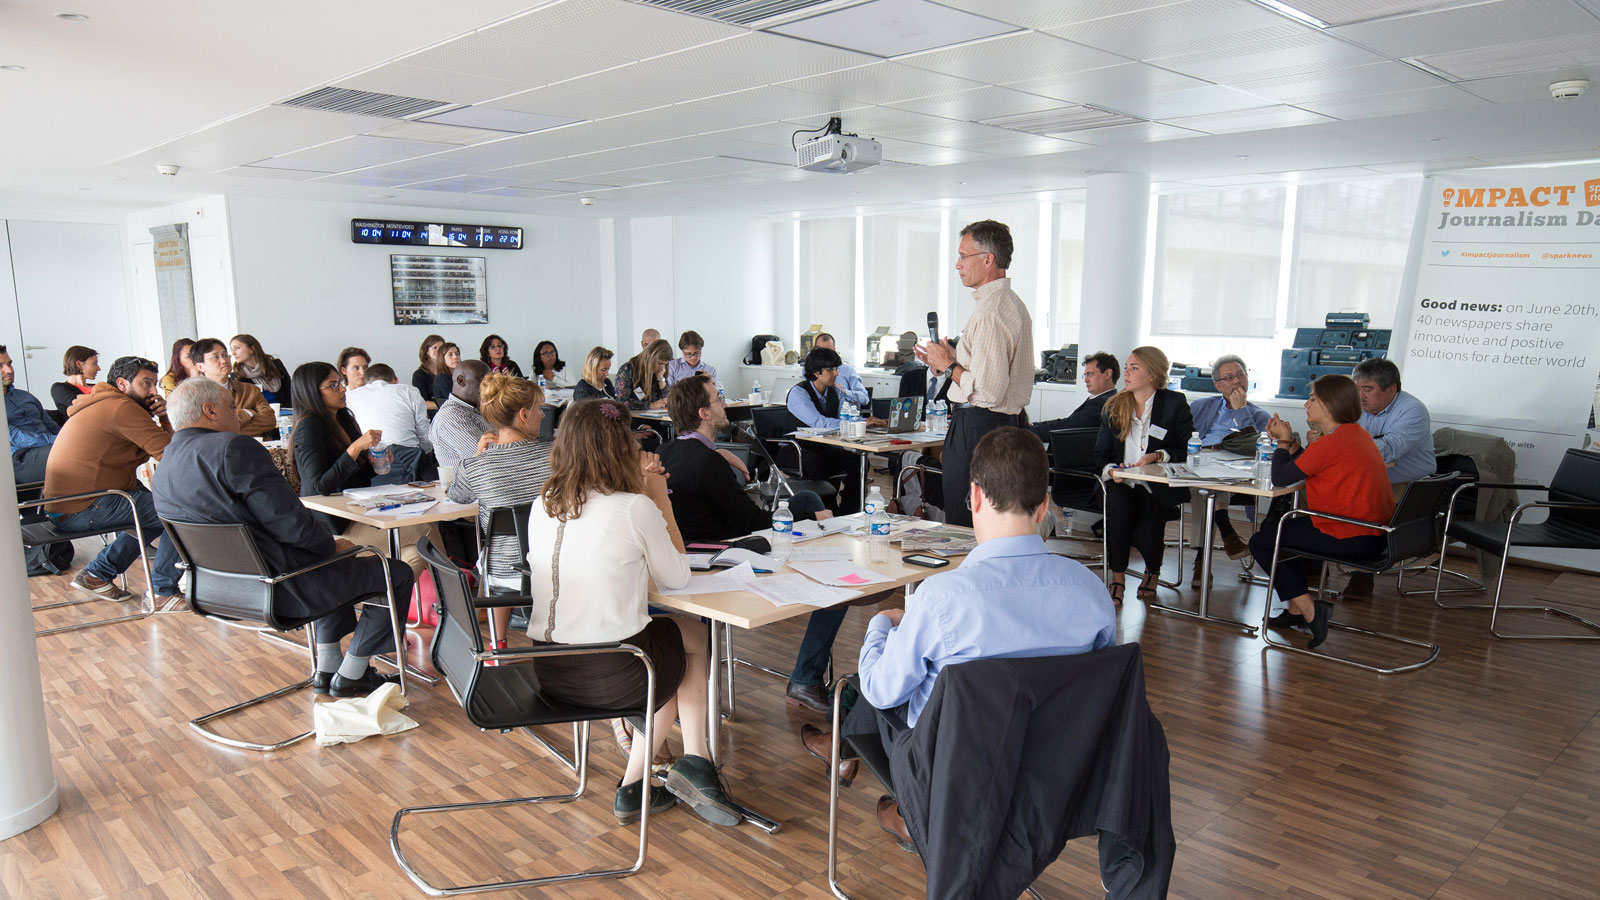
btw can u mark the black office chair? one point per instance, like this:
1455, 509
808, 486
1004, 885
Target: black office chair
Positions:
38, 531
771, 425
914, 382
227, 580
1074, 484
1410, 535
1573, 523
499, 689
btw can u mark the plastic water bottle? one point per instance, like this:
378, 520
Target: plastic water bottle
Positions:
1194, 448
1064, 523
381, 461
939, 418
755, 391
285, 422
1263, 468
878, 536
782, 538
875, 501
543, 385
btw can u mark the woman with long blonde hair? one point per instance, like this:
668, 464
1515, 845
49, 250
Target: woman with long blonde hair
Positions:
1144, 423
642, 381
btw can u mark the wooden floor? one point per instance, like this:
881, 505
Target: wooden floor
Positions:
1476, 778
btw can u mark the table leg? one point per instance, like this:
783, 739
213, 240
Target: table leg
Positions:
714, 726
865, 468
1205, 550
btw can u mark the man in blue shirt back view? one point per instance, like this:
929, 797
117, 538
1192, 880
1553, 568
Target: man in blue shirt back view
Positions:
1010, 597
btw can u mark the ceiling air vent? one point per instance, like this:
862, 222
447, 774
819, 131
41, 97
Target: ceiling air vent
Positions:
738, 12
1061, 121
363, 103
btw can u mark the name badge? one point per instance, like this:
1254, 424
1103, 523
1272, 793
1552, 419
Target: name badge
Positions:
1157, 432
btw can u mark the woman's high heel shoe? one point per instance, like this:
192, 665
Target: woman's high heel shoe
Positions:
1147, 587
1116, 593
1319, 624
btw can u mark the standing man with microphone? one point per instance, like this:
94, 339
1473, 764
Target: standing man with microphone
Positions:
991, 372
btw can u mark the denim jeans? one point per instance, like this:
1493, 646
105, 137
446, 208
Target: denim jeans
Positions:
816, 648
112, 512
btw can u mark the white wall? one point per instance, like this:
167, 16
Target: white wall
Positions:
210, 264
306, 292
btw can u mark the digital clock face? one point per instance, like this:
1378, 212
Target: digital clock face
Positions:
430, 234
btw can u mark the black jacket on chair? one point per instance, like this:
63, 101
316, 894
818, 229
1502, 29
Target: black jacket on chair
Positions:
1170, 412
1011, 758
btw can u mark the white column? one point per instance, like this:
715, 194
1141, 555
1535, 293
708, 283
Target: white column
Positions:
1114, 238
27, 784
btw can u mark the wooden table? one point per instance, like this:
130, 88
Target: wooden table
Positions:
1208, 492
746, 610
875, 443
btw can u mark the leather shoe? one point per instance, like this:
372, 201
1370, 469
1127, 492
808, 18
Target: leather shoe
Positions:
1287, 621
819, 743
1319, 625
1234, 546
320, 682
810, 696
1359, 587
340, 686
1198, 562
889, 820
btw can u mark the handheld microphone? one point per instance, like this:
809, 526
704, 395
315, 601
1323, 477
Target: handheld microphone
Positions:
933, 328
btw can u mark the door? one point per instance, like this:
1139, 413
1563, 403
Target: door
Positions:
70, 290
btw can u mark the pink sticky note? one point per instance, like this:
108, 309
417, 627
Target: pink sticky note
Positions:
853, 578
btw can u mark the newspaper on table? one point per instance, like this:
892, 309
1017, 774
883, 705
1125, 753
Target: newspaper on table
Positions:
396, 499
1180, 474
943, 540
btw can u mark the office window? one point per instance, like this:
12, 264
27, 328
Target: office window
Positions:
1352, 244
1023, 220
1218, 259
903, 257
827, 279
1069, 274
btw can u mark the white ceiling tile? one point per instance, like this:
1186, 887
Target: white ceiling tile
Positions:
505, 121
485, 56
1396, 104
379, 177
1233, 180
893, 27
1250, 120
616, 28
1528, 85
520, 193
651, 81
260, 134
773, 102
1343, 12
883, 121
1581, 154
945, 133
1135, 133
979, 103
265, 171
568, 187
1190, 27
432, 84
1014, 58
927, 154
1117, 81
1017, 143
453, 163
624, 158
759, 58
463, 184
1307, 52
354, 153
565, 100
882, 83
674, 122
1052, 13
1530, 56
1470, 27
1413, 167
1212, 98
439, 133
1344, 84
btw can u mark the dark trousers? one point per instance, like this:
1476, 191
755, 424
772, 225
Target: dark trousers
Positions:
968, 425
819, 463
112, 511
364, 578
28, 465
1135, 519
1300, 534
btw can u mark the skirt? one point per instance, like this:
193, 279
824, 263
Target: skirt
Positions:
617, 680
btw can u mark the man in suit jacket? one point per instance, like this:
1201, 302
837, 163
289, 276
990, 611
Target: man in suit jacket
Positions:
1100, 373
211, 474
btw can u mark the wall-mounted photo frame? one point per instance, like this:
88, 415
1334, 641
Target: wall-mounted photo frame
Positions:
439, 290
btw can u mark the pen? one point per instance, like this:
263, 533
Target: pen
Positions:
390, 506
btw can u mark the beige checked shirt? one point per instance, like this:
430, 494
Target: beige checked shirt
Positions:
996, 350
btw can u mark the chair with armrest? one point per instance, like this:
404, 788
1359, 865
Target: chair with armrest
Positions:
1410, 535
771, 425
1073, 481
227, 580
1573, 523
38, 530
499, 689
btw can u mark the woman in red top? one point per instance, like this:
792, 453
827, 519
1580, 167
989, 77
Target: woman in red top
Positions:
1344, 475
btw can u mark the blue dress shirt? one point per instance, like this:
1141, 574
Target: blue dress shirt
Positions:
799, 403
29, 424
1213, 420
677, 370
1404, 433
1009, 598
850, 386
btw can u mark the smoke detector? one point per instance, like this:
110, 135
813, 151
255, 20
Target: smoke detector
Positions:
166, 170
1568, 90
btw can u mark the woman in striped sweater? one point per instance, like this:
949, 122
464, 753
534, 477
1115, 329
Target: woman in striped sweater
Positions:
509, 469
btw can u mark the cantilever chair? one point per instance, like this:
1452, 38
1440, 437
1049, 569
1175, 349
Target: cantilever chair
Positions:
1573, 523
499, 689
1073, 481
1410, 535
39, 530
227, 580
771, 424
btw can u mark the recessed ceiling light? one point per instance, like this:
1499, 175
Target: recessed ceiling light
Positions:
1285, 9
73, 17
1435, 140
85, 189
1242, 156
13, 68
961, 182
380, 196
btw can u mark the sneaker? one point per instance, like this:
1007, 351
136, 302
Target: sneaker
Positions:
340, 686
171, 603
105, 590
694, 780
1235, 546
630, 798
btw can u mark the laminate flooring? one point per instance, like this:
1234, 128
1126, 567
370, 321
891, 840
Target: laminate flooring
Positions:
1476, 778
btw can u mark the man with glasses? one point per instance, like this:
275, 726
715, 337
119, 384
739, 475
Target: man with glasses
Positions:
693, 347
1215, 417
849, 383
256, 418
815, 402
991, 371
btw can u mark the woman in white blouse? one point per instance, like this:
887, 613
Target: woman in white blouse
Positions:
601, 529
1144, 423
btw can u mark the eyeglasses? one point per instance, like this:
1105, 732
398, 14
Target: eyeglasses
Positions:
961, 256
969, 496
333, 386
1222, 378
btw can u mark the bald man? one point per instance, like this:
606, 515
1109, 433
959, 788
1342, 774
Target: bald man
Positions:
458, 425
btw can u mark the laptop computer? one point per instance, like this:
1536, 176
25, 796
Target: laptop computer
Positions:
904, 414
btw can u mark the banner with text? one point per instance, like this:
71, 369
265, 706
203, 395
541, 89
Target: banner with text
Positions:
1504, 331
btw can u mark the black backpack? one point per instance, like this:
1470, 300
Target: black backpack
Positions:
48, 559
758, 344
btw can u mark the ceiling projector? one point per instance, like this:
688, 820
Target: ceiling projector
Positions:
837, 153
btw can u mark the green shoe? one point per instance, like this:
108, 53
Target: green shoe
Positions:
626, 806
694, 780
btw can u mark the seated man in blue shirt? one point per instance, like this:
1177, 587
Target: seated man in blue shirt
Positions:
1010, 597
816, 403
1400, 425
848, 383
693, 348
32, 430
1217, 416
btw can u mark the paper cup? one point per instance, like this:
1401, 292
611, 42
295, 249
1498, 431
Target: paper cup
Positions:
447, 476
